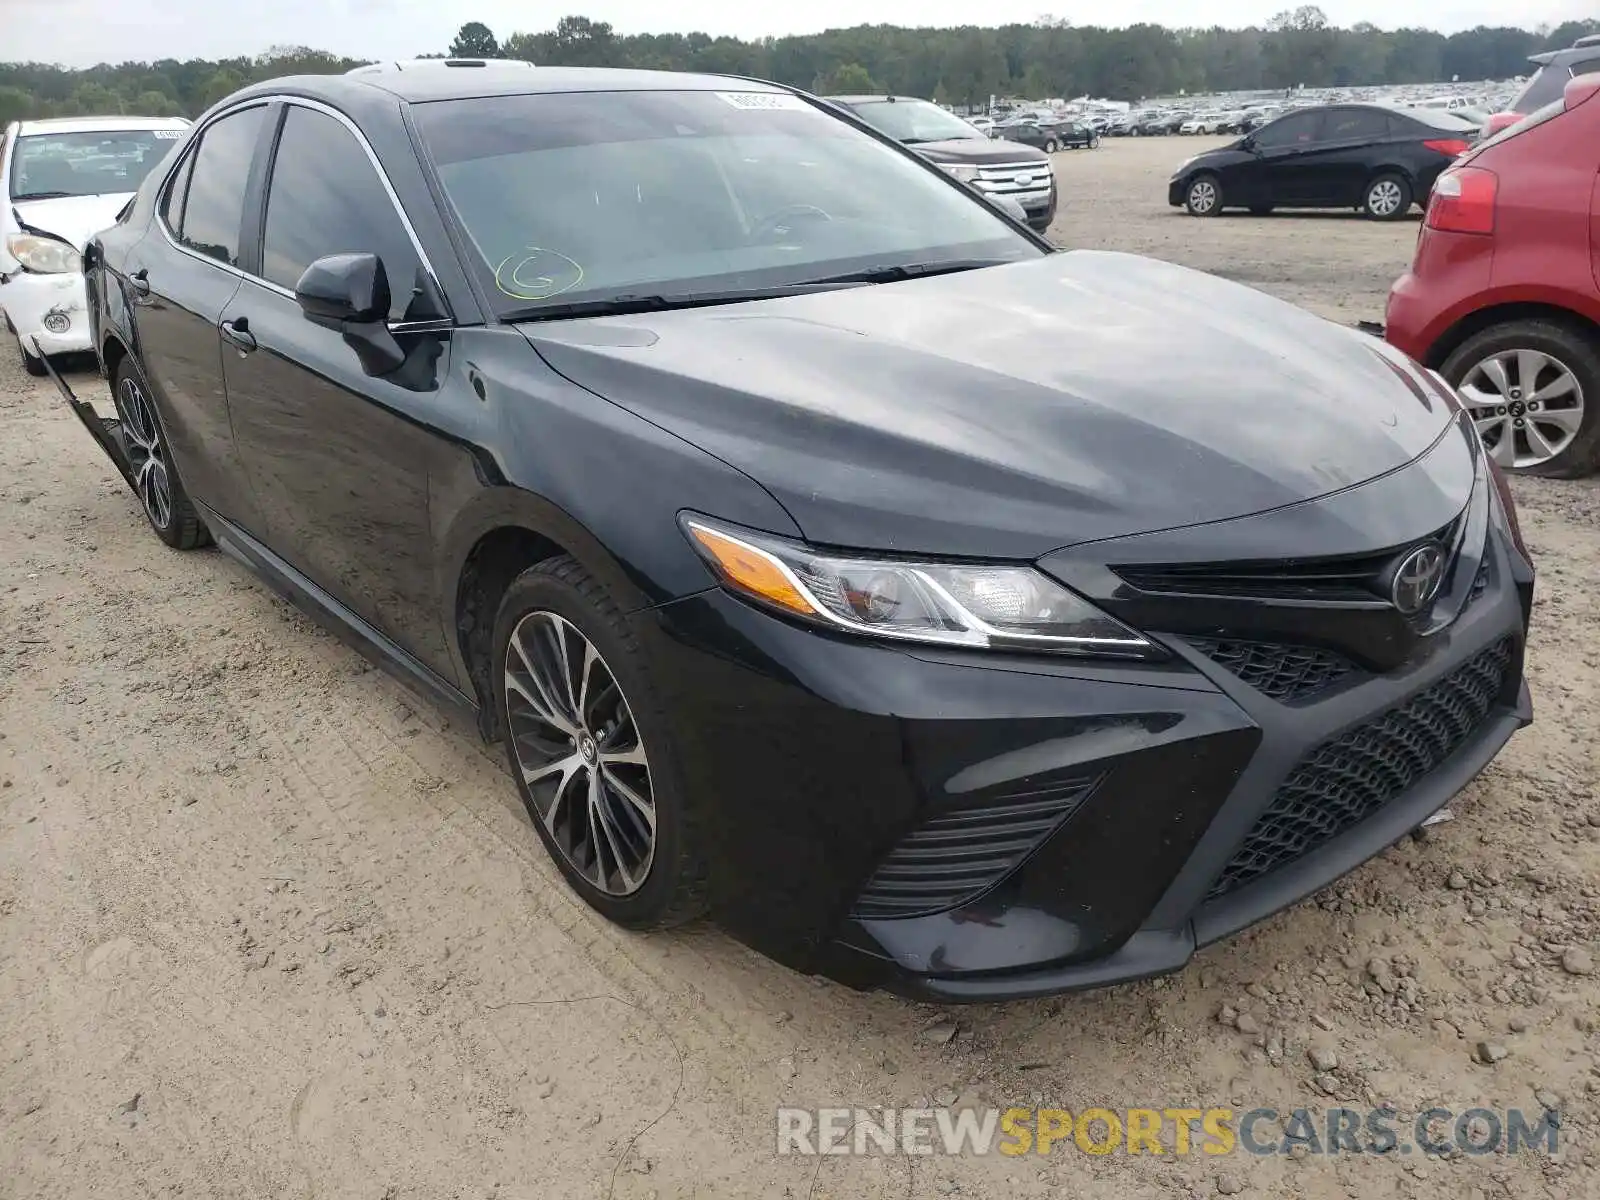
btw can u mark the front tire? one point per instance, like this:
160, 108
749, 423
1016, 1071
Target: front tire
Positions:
1204, 196
156, 480
1051, 146
590, 748
1387, 198
1533, 389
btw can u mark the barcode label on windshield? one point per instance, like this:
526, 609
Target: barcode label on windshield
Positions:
764, 100
168, 135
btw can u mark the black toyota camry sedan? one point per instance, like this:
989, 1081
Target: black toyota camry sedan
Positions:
702, 445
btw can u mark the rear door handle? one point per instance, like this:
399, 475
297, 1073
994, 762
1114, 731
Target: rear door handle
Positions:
238, 332
140, 281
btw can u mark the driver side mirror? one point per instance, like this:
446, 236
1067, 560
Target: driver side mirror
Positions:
350, 293
1248, 143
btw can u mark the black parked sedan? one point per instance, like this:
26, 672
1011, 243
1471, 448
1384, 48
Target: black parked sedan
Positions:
1370, 157
710, 452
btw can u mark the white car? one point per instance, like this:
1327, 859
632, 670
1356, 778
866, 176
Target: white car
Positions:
66, 179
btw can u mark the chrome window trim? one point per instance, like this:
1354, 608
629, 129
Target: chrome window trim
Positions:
383, 178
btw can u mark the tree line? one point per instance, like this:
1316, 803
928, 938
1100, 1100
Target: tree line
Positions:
958, 66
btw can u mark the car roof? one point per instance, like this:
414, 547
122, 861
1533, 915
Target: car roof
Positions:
98, 125
871, 99
500, 79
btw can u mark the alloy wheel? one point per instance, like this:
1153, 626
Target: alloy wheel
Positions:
1202, 195
147, 454
1384, 199
1527, 405
580, 754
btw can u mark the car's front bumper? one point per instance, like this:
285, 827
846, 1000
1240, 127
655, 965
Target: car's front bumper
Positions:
29, 301
845, 778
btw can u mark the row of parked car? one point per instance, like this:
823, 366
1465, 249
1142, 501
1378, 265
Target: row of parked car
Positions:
1503, 296
1158, 123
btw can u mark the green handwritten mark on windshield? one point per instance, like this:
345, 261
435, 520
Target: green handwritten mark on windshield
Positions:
537, 274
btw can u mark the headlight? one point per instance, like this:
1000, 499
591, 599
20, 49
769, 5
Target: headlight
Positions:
962, 171
47, 256
1184, 166
993, 607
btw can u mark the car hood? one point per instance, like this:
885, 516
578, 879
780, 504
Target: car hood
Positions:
73, 219
979, 151
1013, 410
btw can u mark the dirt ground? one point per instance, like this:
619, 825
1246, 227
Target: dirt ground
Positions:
269, 927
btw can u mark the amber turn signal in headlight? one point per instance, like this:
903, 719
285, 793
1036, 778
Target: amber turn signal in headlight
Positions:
998, 606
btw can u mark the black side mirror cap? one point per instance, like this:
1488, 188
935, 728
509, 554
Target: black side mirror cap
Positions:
343, 288
350, 293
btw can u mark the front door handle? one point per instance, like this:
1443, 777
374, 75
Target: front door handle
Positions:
238, 332
140, 281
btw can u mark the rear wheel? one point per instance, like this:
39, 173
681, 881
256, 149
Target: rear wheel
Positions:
1094, 142
1533, 389
1388, 197
1051, 146
590, 748
1204, 197
155, 475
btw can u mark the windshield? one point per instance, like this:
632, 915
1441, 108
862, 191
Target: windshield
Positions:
52, 165
913, 121
584, 196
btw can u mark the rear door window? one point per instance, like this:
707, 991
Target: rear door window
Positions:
213, 211
176, 193
1355, 125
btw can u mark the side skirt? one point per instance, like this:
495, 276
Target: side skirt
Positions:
106, 431
338, 619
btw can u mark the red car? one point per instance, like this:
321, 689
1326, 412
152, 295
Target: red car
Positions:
1503, 295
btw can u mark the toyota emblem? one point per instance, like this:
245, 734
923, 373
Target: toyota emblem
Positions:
1417, 579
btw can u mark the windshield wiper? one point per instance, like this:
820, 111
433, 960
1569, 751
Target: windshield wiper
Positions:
631, 302
898, 271
43, 196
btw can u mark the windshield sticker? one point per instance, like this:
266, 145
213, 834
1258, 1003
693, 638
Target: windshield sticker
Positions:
537, 274
765, 101
168, 135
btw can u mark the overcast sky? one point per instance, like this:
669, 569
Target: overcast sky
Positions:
84, 32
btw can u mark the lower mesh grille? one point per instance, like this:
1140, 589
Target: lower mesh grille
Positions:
1281, 672
1346, 780
956, 856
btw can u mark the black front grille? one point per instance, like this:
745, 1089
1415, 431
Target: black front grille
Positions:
956, 856
1281, 672
1356, 578
1344, 781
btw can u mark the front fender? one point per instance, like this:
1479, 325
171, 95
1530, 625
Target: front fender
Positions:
535, 452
